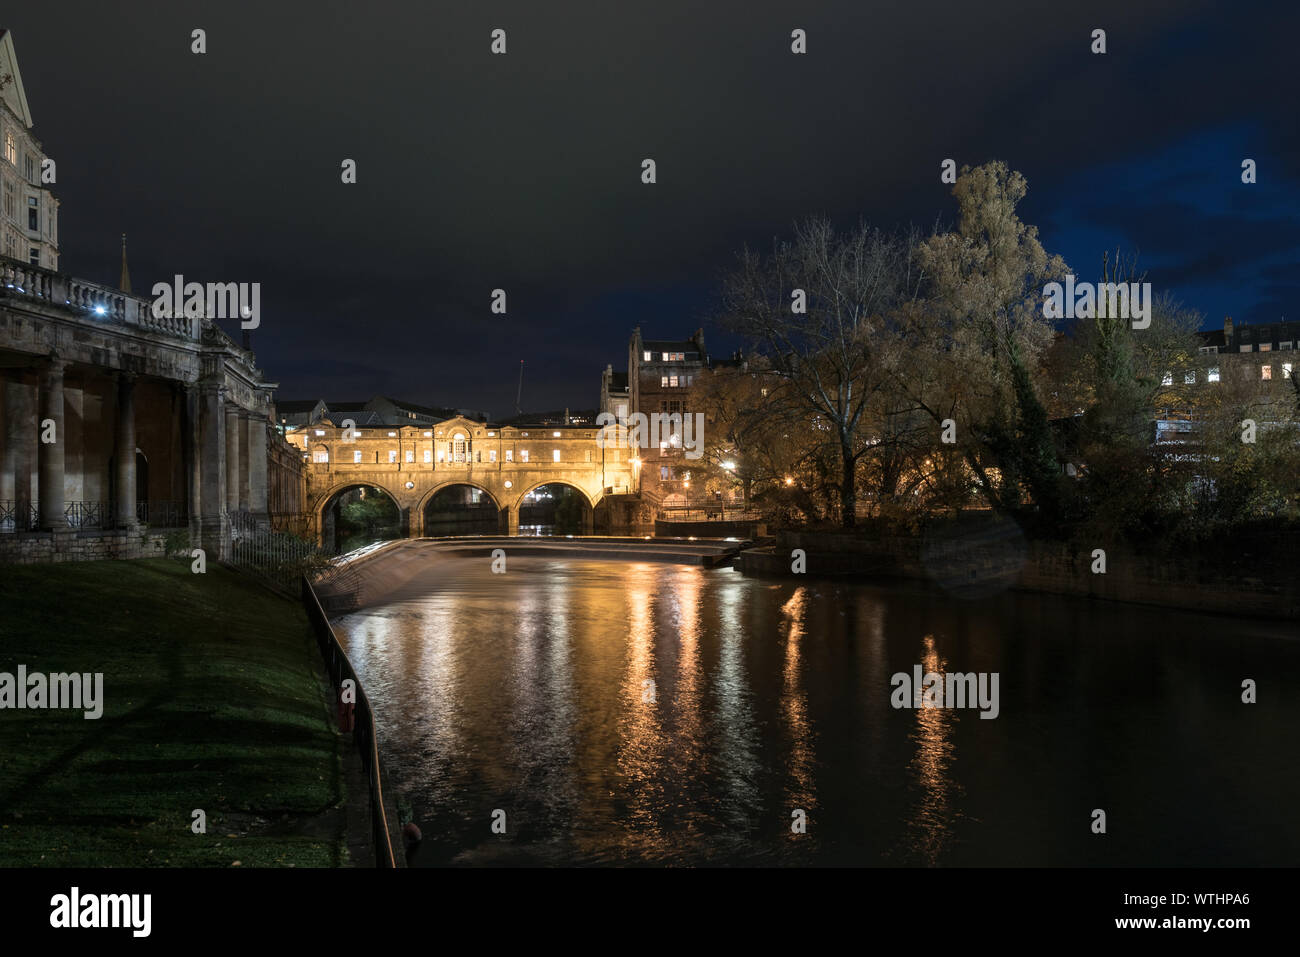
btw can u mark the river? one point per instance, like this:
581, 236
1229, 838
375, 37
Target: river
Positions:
634, 713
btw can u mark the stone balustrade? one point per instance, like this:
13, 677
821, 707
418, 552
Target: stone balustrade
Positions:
96, 302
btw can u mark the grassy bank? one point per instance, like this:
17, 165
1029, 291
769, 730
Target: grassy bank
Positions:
211, 701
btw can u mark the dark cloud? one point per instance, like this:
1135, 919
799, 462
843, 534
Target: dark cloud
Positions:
522, 171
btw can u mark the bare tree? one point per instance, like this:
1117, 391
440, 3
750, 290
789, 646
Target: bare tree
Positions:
820, 310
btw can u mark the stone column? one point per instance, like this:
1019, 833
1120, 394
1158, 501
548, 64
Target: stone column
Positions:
233, 428
74, 433
51, 453
191, 449
245, 463
20, 436
257, 466
126, 497
214, 525
512, 520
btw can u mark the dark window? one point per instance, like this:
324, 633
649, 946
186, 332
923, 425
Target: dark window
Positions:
35, 258
33, 215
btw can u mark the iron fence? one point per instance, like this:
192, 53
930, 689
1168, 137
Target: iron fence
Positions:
19, 516
93, 515
363, 728
278, 557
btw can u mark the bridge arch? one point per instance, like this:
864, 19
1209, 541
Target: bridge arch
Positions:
429, 496
585, 523
460, 506
326, 510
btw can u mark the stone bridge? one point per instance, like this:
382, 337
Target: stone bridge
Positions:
413, 464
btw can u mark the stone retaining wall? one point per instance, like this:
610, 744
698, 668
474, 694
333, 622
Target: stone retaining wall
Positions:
29, 548
984, 563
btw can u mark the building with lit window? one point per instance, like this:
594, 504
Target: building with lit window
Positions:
29, 213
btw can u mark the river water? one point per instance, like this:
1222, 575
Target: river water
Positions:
634, 713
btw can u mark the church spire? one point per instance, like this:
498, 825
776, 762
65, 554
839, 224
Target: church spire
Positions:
125, 284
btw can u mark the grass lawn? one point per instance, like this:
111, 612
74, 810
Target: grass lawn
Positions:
211, 700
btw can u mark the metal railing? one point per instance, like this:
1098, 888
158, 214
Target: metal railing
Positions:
278, 557
363, 729
93, 515
707, 512
19, 516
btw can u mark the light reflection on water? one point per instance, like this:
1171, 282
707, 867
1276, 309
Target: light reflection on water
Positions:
649, 713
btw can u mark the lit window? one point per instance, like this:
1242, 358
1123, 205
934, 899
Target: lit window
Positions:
392, 456
665, 357
672, 381
1212, 375
428, 435
320, 455
555, 455
1266, 347
428, 456
320, 431
1246, 348
646, 357
1266, 372
440, 456
410, 455
392, 435
1189, 378
555, 435
1286, 370
510, 455
11, 150
523, 455
492, 455
356, 456
1168, 379
663, 381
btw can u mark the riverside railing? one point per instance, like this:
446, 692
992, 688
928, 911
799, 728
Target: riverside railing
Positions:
363, 727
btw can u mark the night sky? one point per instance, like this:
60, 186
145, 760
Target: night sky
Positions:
522, 171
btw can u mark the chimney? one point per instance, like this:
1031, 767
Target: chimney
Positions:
1227, 331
